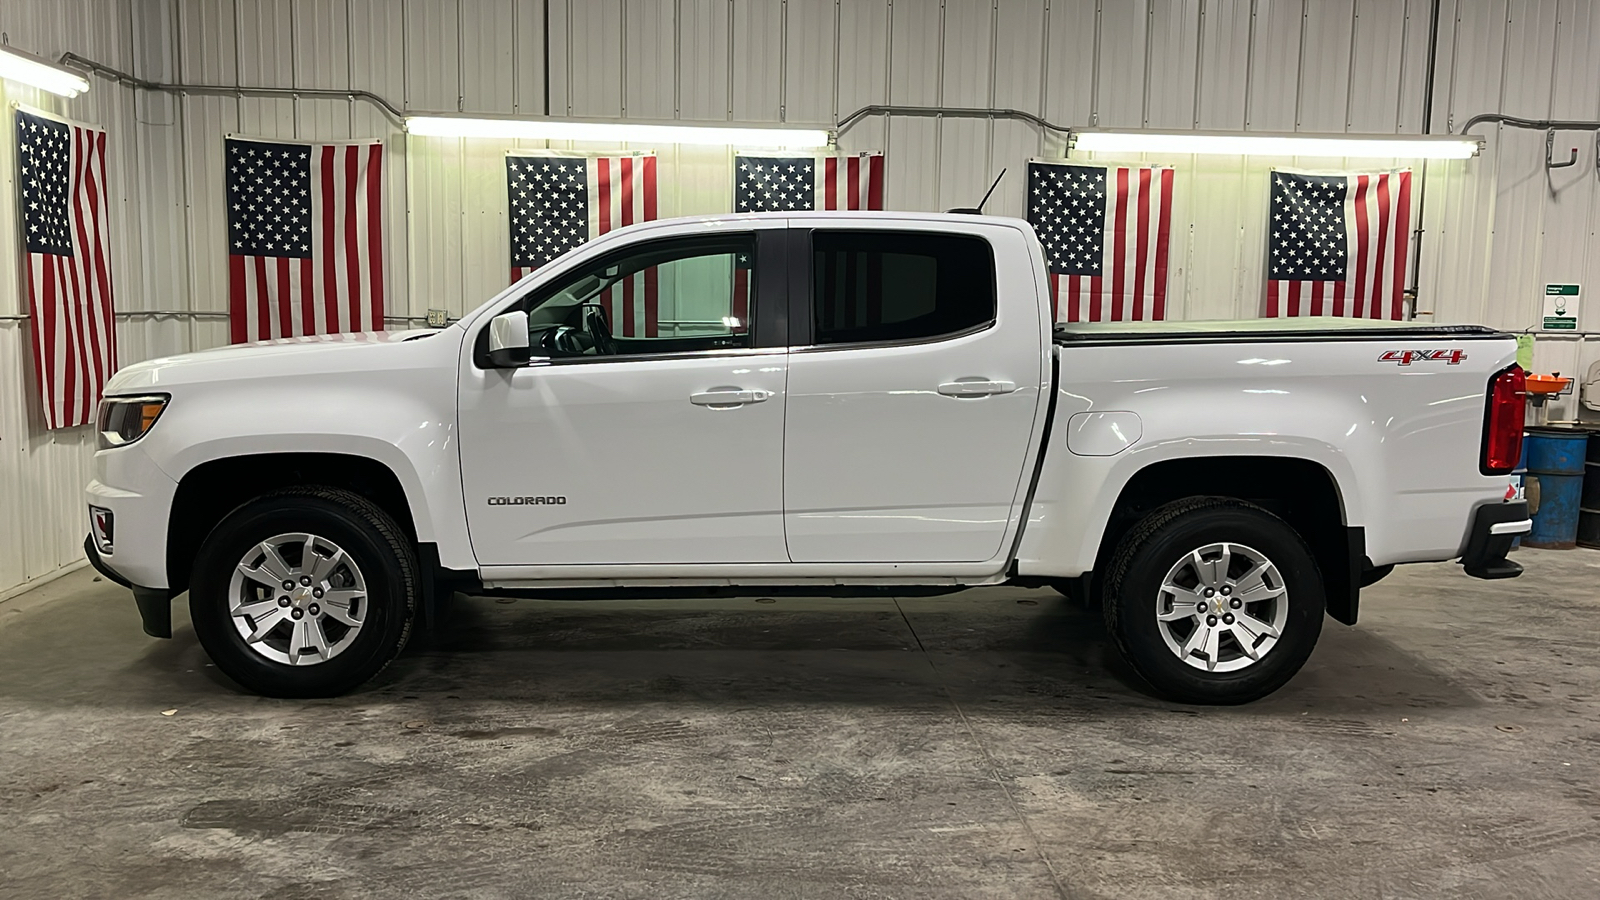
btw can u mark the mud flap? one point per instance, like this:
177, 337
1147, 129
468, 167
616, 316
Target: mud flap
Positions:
1342, 575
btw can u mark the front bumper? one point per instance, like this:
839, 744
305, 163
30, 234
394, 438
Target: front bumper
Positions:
1494, 526
155, 604
136, 491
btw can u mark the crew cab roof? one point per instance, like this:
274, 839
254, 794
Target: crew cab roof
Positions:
799, 217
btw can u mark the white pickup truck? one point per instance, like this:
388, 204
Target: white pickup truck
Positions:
843, 403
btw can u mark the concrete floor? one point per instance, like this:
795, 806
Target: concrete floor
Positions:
982, 745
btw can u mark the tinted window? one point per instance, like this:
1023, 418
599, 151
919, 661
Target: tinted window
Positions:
663, 297
872, 286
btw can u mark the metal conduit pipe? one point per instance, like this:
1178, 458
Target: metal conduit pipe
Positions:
398, 115
1549, 127
205, 314
1535, 124
136, 313
955, 112
222, 90
191, 313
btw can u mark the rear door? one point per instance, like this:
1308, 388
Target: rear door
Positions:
914, 393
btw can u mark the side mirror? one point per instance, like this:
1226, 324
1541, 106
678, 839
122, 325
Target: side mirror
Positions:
508, 340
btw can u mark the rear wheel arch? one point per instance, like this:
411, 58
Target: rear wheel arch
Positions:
1302, 492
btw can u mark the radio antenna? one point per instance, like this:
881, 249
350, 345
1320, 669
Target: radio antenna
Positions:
978, 210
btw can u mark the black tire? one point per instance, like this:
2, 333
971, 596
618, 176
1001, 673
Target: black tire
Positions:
1159, 542
369, 536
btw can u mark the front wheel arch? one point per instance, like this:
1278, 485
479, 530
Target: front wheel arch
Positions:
210, 491
385, 584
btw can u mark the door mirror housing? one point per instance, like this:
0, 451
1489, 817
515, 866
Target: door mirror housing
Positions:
508, 340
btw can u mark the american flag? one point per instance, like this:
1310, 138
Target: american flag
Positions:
787, 183
1337, 245
1105, 232
559, 201
768, 183
305, 238
61, 169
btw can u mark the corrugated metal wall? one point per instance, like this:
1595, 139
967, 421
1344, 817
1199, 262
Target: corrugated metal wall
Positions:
1308, 65
42, 473
1498, 227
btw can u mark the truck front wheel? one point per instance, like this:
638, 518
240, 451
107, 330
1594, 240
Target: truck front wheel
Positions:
307, 592
1214, 600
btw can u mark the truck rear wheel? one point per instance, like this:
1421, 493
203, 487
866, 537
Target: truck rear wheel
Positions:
307, 592
1214, 600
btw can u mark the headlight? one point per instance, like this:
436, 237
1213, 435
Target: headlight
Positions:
124, 420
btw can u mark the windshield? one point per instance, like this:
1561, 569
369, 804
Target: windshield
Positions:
559, 308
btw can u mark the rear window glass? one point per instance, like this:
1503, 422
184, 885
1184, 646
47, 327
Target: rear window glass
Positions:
879, 286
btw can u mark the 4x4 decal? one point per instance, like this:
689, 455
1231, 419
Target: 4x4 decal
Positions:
1407, 357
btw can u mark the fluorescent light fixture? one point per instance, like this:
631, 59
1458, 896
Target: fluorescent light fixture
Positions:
1261, 143
630, 132
29, 69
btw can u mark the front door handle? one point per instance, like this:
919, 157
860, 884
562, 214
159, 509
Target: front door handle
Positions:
976, 387
727, 398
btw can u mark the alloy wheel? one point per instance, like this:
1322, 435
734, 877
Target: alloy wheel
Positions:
298, 599
1222, 607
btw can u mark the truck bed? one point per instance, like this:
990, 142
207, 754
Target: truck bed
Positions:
1398, 434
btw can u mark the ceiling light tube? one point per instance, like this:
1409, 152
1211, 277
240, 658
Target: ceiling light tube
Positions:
1261, 143
616, 132
29, 69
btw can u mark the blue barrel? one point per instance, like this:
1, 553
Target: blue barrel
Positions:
1555, 459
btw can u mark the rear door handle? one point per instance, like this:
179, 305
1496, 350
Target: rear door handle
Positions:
728, 397
976, 387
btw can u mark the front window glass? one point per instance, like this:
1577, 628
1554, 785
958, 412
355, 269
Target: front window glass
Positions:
664, 297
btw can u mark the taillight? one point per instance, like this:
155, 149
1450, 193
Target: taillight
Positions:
1502, 425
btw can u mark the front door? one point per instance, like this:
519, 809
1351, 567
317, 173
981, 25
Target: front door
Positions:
912, 406
656, 443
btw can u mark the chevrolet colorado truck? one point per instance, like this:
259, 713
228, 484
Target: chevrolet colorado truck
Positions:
844, 403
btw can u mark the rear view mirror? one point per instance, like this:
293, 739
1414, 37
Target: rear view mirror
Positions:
508, 340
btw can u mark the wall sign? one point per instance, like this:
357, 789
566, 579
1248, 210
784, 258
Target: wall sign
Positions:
1560, 307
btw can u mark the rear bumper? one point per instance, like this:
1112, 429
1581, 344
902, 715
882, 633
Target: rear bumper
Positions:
155, 604
1494, 526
